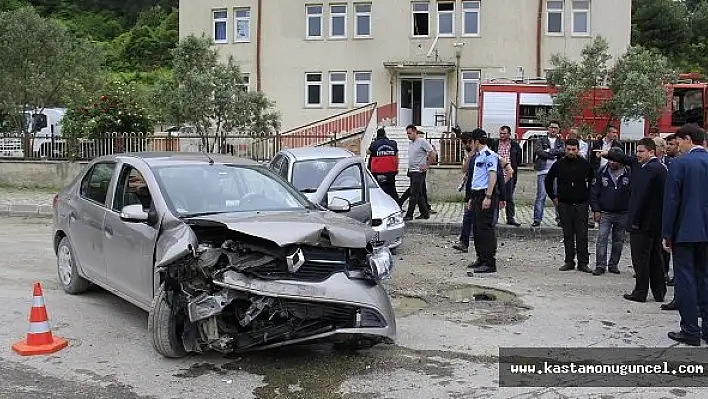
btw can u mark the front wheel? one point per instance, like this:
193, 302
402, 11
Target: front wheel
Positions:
165, 326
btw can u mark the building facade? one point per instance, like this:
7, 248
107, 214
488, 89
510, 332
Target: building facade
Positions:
316, 59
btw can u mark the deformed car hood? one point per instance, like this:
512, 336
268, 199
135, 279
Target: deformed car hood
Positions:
298, 227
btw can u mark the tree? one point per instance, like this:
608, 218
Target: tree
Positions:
42, 65
210, 96
661, 25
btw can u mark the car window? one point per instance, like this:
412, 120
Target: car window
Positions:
201, 189
132, 189
349, 185
277, 163
283, 172
308, 175
95, 184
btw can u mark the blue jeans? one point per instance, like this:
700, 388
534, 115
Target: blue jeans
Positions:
614, 223
540, 203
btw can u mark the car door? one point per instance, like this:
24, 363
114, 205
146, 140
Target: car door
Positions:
347, 180
86, 220
128, 246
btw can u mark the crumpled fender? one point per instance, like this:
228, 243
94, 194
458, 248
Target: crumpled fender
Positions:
176, 241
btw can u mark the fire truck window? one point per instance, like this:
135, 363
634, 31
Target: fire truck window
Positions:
528, 115
687, 106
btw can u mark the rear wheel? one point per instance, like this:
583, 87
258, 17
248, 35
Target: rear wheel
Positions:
165, 326
67, 272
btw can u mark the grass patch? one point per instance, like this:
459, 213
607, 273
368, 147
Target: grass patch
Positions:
28, 187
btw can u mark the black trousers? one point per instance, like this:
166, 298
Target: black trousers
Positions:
648, 263
574, 218
484, 233
418, 195
406, 194
387, 181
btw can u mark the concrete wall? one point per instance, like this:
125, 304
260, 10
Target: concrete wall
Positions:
51, 174
444, 180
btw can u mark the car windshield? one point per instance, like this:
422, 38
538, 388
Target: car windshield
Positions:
202, 189
308, 175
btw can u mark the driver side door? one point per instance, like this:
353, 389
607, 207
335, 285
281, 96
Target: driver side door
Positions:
347, 180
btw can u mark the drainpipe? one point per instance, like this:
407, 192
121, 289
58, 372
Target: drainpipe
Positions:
539, 24
258, 45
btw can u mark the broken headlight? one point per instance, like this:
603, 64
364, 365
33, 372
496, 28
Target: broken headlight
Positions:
381, 263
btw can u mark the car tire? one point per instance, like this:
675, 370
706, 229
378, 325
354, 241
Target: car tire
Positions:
67, 273
164, 327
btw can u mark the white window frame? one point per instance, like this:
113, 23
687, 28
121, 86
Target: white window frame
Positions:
464, 80
320, 17
587, 13
215, 20
414, 12
359, 81
476, 10
560, 11
441, 13
307, 89
236, 21
247, 81
343, 83
333, 15
358, 14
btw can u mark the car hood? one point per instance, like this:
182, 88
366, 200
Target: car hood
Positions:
297, 227
382, 205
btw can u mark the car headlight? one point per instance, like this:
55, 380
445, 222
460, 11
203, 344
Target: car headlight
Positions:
395, 219
381, 263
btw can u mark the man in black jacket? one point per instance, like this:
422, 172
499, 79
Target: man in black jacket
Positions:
604, 144
510, 151
644, 219
573, 176
609, 200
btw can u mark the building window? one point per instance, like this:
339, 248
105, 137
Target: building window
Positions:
470, 17
470, 88
220, 22
314, 22
581, 18
338, 21
313, 90
446, 19
363, 19
421, 19
337, 88
362, 88
554, 17
246, 85
242, 24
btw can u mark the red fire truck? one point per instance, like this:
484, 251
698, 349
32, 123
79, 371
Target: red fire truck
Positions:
517, 105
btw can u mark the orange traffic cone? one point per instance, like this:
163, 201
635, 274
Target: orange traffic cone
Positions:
39, 339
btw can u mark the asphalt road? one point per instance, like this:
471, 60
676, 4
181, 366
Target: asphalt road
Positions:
445, 351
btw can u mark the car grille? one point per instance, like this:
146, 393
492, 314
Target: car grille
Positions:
320, 263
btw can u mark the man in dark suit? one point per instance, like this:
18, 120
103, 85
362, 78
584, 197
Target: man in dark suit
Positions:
644, 219
509, 150
604, 144
685, 233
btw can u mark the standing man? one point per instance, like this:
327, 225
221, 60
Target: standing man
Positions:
484, 200
546, 151
572, 175
685, 233
644, 219
420, 156
510, 151
604, 144
609, 199
383, 162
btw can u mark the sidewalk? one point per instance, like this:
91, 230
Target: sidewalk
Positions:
26, 202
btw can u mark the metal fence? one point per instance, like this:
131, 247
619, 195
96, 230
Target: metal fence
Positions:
450, 151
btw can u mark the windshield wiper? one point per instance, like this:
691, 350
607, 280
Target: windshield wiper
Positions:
197, 214
308, 190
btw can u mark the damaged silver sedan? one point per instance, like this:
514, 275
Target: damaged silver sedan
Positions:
223, 253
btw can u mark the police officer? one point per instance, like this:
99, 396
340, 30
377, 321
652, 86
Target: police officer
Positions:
383, 162
484, 200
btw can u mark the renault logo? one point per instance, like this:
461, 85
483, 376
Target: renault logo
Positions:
295, 261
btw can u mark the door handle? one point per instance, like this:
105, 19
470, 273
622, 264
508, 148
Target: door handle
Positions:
108, 230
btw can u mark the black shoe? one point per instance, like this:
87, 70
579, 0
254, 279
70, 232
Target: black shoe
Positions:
423, 217
485, 269
514, 223
680, 336
669, 306
432, 212
535, 224
567, 267
584, 268
461, 248
407, 218
598, 271
670, 282
613, 270
632, 297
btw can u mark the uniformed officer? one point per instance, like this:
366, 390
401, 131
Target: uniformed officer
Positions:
383, 162
484, 199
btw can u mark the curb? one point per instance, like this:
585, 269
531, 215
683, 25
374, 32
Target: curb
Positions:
26, 211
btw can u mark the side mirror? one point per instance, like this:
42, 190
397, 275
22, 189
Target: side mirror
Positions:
133, 213
337, 204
